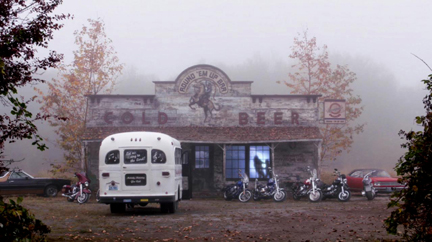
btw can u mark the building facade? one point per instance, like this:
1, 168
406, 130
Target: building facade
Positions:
223, 127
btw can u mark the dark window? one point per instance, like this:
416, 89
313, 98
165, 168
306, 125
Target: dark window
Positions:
18, 175
259, 161
135, 156
177, 154
235, 161
158, 156
202, 157
113, 157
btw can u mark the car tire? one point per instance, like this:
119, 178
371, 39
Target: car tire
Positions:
51, 191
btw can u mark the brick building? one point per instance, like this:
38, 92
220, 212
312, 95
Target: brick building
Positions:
222, 125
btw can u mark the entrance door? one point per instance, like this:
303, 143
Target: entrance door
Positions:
187, 176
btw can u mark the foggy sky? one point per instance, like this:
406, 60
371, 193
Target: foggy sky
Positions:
250, 40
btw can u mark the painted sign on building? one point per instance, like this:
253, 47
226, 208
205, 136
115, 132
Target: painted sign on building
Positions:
334, 111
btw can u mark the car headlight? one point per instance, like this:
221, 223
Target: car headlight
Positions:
377, 184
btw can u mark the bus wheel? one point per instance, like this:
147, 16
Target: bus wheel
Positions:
172, 207
117, 208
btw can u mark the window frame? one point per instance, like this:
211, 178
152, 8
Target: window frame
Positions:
247, 161
208, 158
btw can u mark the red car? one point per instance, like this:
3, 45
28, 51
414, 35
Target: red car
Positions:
381, 180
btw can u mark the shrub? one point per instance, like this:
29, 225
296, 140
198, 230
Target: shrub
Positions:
18, 224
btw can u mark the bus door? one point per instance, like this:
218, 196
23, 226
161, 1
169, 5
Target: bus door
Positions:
136, 170
187, 176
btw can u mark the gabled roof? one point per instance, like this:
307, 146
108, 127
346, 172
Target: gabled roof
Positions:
200, 134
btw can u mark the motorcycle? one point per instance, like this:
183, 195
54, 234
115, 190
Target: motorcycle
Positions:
368, 189
80, 191
308, 188
239, 189
271, 190
339, 188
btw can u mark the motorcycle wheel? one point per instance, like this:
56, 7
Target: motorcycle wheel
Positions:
245, 197
227, 197
370, 195
279, 196
83, 198
97, 196
315, 196
344, 196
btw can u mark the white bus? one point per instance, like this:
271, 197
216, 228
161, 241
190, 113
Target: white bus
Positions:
137, 168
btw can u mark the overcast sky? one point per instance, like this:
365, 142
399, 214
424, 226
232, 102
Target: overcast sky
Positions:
163, 38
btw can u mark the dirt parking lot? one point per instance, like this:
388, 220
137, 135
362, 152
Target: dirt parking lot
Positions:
217, 220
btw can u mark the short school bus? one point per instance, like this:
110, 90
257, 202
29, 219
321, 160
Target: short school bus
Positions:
137, 168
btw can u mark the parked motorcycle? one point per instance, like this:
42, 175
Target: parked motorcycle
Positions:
239, 189
79, 191
271, 190
368, 189
308, 188
339, 188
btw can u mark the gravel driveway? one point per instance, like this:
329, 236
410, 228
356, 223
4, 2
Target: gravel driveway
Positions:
217, 220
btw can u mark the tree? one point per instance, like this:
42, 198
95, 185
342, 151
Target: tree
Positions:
24, 27
315, 75
413, 205
93, 71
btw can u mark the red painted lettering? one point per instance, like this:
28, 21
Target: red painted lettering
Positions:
278, 118
162, 118
144, 119
294, 118
127, 118
261, 118
243, 118
107, 117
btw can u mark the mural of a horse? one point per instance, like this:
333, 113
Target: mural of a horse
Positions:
202, 97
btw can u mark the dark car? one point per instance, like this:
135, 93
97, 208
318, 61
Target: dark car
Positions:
381, 180
18, 182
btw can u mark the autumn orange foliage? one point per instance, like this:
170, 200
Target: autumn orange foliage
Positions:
316, 75
94, 70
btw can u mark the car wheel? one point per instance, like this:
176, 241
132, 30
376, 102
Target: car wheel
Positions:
51, 191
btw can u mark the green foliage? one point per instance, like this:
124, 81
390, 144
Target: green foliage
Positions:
413, 205
18, 224
24, 27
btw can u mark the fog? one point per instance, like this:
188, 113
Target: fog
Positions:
250, 41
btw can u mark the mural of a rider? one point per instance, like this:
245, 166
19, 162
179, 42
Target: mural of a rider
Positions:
202, 97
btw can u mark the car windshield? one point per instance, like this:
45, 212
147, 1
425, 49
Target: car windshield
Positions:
376, 173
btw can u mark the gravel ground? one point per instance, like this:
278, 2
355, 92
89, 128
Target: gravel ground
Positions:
217, 220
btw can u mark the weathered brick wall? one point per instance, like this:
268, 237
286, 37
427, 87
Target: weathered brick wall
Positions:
144, 111
292, 159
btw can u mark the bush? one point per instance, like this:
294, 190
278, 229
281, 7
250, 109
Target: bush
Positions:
18, 224
413, 205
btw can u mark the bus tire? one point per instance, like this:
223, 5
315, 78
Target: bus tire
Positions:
117, 208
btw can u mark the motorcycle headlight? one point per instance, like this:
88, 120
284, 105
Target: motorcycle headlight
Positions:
86, 184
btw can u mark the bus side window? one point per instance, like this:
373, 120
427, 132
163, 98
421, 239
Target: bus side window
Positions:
178, 156
112, 157
158, 156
